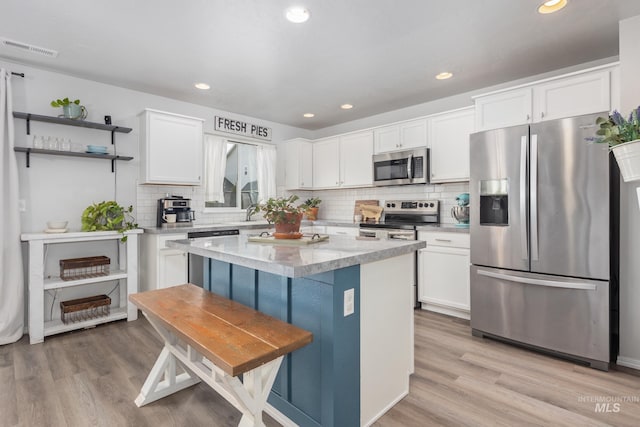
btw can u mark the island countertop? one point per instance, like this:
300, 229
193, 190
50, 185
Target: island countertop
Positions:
297, 261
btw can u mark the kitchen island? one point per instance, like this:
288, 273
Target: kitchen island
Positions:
354, 295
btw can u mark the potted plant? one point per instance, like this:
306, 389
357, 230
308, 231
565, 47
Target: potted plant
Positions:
312, 208
623, 138
70, 109
285, 215
105, 216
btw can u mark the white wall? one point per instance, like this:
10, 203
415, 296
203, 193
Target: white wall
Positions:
629, 212
62, 187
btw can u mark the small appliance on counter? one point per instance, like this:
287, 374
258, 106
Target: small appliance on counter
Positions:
461, 212
174, 210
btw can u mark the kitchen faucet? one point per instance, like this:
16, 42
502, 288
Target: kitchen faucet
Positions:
251, 209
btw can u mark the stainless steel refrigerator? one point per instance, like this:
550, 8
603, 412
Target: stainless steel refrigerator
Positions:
541, 236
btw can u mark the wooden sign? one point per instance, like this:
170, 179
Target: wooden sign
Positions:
239, 127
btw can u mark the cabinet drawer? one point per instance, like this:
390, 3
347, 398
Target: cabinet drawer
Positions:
163, 239
454, 240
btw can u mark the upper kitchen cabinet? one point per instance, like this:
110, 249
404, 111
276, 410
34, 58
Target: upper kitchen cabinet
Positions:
298, 164
170, 148
574, 96
449, 144
400, 136
326, 163
503, 109
356, 167
566, 96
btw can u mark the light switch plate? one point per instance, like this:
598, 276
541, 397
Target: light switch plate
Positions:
349, 302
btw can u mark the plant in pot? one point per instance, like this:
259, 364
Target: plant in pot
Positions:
106, 216
623, 138
284, 215
312, 208
70, 109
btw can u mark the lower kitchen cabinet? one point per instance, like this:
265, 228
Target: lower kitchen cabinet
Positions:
443, 273
160, 265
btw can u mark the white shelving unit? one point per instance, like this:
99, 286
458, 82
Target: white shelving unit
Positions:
127, 277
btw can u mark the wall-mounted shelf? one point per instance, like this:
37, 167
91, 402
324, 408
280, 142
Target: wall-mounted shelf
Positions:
111, 157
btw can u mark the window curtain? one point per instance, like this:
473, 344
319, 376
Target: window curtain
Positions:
266, 159
215, 166
11, 277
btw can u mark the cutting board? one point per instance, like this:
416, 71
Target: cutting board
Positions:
358, 211
306, 239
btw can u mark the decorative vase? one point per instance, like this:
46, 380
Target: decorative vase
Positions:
628, 158
74, 111
312, 214
290, 228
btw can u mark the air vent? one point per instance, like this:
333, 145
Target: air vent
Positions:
29, 48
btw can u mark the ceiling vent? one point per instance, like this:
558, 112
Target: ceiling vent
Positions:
29, 48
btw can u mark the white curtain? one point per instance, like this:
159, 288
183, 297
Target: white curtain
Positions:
266, 159
215, 166
11, 277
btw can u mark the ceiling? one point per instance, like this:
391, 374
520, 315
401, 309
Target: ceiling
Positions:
378, 55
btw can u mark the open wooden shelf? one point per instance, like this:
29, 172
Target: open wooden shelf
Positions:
58, 283
69, 122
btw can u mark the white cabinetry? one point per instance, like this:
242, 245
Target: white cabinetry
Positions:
568, 96
170, 148
342, 231
401, 136
443, 273
162, 266
449, 145
298, 164
126, 274
343, 161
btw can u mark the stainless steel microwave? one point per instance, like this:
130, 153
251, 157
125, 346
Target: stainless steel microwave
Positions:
401, 167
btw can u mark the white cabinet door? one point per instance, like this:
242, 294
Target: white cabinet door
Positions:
172, 265
170, 148
342, 231
299, 164
572, 96
503, 109
401, 136
443, 273
356, 167
326, 163
449, 144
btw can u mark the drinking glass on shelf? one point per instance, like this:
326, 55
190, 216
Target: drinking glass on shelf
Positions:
49, 143
65, 144
38, 142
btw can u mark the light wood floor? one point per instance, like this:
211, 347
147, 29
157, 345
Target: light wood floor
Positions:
91, 377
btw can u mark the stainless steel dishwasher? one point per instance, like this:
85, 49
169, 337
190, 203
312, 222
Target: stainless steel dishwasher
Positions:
196, 262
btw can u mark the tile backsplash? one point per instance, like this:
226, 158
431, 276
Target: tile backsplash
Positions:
336, 204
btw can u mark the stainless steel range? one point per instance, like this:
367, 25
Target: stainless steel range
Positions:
401, 219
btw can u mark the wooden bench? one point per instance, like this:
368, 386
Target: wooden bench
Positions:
213, 339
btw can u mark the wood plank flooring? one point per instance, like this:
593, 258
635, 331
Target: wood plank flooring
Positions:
91, 377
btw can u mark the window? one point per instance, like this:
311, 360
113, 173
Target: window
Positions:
237, 174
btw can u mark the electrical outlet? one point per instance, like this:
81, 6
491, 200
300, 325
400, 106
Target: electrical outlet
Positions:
349, 302
22, 205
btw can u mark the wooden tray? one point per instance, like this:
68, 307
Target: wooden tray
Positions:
306, 239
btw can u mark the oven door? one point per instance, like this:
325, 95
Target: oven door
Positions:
401, 167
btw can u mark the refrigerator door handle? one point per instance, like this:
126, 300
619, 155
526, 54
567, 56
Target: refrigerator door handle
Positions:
534, 197
539, 282
524, 244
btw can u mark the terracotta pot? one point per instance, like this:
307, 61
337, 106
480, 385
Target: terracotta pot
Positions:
312, 214
290, 229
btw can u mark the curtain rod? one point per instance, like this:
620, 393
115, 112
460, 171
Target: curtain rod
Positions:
17, 74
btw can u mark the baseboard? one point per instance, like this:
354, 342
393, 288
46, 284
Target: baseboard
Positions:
386, 409
628, 362
279, 416
449, 311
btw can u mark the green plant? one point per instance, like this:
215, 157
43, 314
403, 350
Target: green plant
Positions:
63, 102
109, 215
616, 129
313, 202
276, 210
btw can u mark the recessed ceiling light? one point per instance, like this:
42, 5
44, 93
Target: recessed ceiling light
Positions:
552, 6
309, 115
297, 15
202, 86
346, 106
444, 76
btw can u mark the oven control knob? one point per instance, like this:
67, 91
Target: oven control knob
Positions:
388, 205
393, 205
420, 205
430, 205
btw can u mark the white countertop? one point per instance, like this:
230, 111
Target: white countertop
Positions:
297, 261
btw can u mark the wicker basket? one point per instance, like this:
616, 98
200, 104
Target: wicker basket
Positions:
78, 310
82, 268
